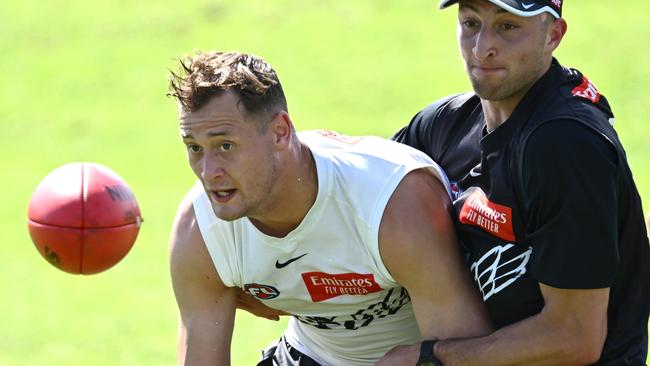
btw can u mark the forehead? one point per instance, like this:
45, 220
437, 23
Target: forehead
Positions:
224, 108
486, 10
481, 6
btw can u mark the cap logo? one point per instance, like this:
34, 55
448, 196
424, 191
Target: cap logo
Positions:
557, 3
527, 6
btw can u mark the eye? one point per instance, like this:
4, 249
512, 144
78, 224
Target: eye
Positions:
193, 148
508, 26
469, 23
226, 146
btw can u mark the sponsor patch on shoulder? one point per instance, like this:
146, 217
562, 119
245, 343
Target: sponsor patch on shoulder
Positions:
587, 90
323, 286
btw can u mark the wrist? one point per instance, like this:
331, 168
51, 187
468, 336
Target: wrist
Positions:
427, 354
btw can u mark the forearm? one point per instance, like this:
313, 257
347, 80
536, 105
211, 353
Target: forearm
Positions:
205, 340
534, 341
206, 306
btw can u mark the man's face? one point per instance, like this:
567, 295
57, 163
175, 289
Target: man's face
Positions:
504, 53
235, 162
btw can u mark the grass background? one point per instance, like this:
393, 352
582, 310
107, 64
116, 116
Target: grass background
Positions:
86, 81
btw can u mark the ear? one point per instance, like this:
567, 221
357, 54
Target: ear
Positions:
556, 32
281, 129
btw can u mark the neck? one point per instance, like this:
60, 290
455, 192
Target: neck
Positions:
294, 194
497, 112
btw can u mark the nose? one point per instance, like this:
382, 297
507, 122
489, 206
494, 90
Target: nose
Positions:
485, 44
211, 168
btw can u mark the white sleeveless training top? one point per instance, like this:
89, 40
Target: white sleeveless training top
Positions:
348, 309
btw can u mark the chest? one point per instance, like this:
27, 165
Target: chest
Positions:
332, 268
491, 226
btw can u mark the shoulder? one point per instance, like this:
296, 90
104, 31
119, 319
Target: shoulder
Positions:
366, 155
567, 140
420, 205
448, 131
423, 188
573, 120
572, 95
189, 257
448, 105
416, 232
566, 163
185, 227
440, 110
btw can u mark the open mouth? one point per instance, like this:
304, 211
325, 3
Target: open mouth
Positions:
223, 196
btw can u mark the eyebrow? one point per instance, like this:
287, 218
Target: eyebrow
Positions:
186, 135
210, 134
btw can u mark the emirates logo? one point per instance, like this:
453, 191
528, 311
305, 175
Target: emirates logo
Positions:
323, 286
586, 90
491, 217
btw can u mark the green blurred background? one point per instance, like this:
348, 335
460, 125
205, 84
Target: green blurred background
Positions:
86, 81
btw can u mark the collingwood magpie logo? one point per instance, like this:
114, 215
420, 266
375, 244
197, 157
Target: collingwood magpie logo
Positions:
499, 268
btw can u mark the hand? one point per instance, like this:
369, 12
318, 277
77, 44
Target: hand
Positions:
256, 307
401, 355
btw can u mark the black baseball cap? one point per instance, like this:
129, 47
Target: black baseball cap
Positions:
525, 8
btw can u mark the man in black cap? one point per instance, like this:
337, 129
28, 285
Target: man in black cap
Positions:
545, 203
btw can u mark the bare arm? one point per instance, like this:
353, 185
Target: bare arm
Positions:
206, 305
570, 330
419, 247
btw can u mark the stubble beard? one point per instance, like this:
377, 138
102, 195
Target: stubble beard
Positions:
516, 84
258, 199
513, 86
266, 189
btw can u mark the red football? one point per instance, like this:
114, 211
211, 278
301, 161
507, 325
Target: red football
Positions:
83, 218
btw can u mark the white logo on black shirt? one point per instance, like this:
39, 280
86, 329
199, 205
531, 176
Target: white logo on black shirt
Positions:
497, 270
